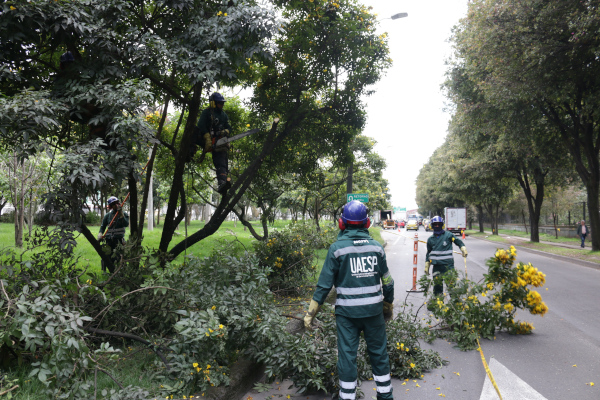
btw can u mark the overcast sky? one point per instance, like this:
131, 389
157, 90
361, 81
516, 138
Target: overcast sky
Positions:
405, 115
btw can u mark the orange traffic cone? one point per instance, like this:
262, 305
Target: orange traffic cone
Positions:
463, 234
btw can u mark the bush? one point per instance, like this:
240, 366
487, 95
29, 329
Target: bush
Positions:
471, 310
92, 217
198, 317
42, 218
8, 217
289, 254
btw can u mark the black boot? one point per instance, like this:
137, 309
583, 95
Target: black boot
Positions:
223, 186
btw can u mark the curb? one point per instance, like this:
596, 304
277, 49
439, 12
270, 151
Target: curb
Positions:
583, 263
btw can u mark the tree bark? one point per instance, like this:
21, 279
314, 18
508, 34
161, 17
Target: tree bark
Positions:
524, 221
171, 220
235, 193
534, 203
480, 217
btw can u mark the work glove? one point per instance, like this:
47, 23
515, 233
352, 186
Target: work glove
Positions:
388, 311
100, 235
427, 264
313, 309
224, 132
207, 142
464, 251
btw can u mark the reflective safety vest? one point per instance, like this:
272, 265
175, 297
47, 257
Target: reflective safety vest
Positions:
117, 230
439, 248
356, 265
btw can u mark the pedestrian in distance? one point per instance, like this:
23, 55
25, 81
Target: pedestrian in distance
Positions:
115, 234
439, 253
356, 265
212, 126
582, 231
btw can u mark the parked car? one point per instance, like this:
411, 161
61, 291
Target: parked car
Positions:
412, 223
401, 224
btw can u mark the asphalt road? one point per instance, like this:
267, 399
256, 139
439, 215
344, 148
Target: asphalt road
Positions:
557, 361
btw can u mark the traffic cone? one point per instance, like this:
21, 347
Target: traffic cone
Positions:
463, 234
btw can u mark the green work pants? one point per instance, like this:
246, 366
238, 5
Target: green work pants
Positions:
348, 335
438, 283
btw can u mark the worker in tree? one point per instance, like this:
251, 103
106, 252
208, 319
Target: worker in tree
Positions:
213, 125
439, 253
356, 265
116, 231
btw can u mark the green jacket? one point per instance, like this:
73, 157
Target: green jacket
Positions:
214, 120
357, 266
117, 230
439, 248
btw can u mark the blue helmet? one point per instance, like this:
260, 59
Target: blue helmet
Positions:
111, 200
67, 57
354, 213
437, 219
216, 97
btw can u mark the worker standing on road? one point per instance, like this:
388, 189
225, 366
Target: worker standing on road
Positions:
214, 124
116, 232
439, 253
356, 265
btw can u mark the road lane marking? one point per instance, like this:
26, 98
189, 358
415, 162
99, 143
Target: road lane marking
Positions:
511, 386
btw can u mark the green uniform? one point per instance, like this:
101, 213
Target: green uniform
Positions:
117, 230
356, 265
115, 234
439, 254
213, 121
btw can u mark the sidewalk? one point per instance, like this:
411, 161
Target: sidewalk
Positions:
569, 246
574, 260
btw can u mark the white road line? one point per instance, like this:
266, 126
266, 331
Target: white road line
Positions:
396, 242
511, 386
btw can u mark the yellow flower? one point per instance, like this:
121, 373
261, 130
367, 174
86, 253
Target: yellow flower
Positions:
213, 308
412, 365
220, 326
195, 365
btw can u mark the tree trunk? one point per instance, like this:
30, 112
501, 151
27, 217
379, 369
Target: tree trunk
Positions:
133, 206
177, 195
480, 217
524, 221
30, 213
19, 203
594, 216
304, 207
317, 212
534, 203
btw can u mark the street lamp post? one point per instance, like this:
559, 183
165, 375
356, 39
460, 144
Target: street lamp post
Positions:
399, 15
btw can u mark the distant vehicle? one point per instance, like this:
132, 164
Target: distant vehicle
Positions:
401, 224
455, 219
386, 219
426, 224
413, 223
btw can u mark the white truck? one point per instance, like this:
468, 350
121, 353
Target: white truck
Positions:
455, 219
